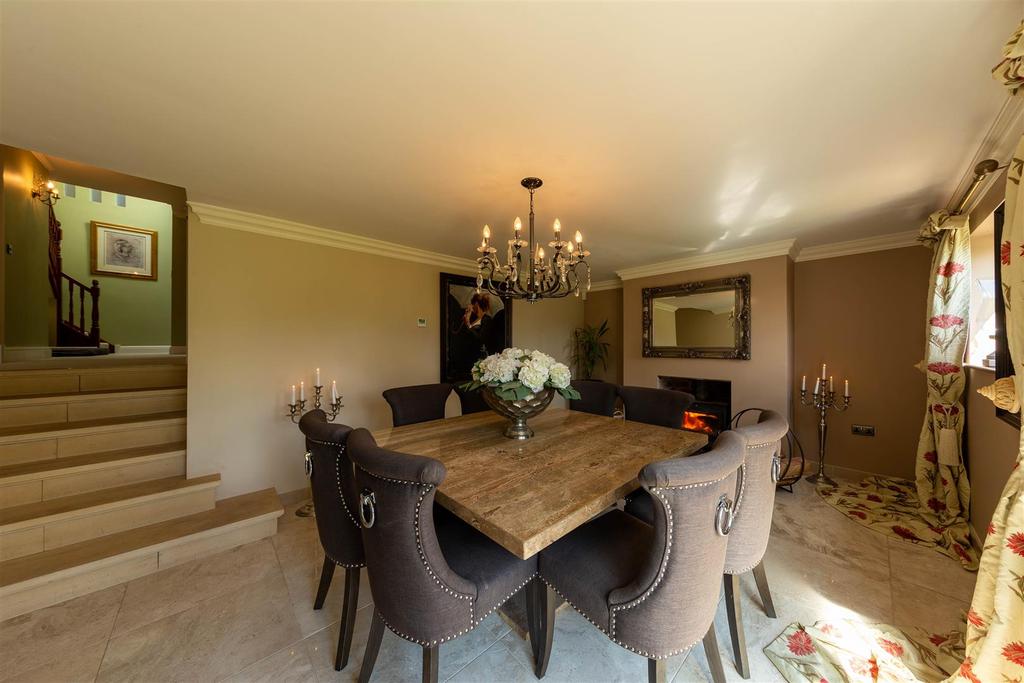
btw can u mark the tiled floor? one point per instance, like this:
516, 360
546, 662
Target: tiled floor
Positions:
246, 615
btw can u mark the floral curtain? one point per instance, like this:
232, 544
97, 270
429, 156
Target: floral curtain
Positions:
995, 624
941, 478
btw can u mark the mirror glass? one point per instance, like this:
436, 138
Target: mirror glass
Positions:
703, 319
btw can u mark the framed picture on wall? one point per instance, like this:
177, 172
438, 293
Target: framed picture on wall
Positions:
122, 251
473, 326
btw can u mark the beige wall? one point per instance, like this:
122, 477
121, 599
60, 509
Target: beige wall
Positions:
991, 449
763, 381
865, 316
698, 327
266, 311
27, 296
601, 306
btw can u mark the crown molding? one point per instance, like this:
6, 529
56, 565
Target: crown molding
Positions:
605, 285
660, 305
716, 258
999, 143
209, 214
896, 240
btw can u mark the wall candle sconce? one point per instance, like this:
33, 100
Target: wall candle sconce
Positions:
297, 408
46, 192
823, 398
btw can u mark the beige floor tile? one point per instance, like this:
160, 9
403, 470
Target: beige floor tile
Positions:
290, 665
496, 663
182, 587
930, 569
60, 643
399, 659
212, 640
303, 581
928, 609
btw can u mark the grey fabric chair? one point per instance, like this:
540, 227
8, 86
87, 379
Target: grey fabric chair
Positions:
596, 397
652, 589
433, 577
662, 407
420, 403
471, 401
748, 539
333, 485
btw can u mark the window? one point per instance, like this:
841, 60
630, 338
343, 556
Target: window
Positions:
1004, 368
97, 196
121, 200
69, 190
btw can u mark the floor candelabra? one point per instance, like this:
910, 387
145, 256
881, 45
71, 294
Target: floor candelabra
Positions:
823, 399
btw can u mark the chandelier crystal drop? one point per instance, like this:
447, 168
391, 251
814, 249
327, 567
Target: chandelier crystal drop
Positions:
528, 273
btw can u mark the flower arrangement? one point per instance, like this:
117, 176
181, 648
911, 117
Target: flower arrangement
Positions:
516, 374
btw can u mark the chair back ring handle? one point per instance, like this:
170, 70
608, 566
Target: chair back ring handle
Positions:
776, 468
308, 457
367, 508
724, 516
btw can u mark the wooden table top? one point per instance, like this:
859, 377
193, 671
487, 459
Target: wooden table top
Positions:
525, 495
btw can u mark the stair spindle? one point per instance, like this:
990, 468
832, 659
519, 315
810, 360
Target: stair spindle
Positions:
71, 302
81, 308
94, 333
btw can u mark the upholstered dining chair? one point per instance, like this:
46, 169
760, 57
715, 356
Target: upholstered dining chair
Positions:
748, 539
334, 499
433, 577
471, 401
420, 403
662, 407
653, 589
596, 397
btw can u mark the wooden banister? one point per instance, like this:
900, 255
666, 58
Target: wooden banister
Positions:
68, 320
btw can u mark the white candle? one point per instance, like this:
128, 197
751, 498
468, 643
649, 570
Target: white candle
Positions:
846, 389
334, 391
317, 377
803, 384
817, 385
831, 385
823, 375
302, 391
293, 394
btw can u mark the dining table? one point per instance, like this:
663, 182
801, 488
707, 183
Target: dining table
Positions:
526, 494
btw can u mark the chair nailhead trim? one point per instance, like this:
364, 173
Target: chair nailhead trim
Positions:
612, 638
341, 497
426, 488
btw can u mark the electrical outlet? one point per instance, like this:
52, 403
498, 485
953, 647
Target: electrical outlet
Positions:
421, 322
863, 430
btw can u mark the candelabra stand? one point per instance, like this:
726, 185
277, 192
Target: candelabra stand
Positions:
295, 412
823, 400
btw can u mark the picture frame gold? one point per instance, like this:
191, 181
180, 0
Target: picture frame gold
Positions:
122, 251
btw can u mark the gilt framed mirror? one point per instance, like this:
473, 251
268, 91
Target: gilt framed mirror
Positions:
708, 319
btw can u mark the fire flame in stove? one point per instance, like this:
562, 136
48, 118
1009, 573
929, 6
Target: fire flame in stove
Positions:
699, 422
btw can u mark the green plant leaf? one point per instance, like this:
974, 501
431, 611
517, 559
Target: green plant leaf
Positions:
569, 393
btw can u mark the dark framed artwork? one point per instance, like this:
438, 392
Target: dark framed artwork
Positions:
473, 326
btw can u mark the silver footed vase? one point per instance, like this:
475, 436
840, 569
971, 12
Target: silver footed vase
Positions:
519, 411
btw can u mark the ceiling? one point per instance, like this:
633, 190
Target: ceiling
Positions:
657, 128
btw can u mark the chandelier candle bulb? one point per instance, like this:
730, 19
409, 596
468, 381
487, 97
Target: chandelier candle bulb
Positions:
817, 386
846, 389
293, 394
302, 391
334, 391
803, 383
831, 385
558, 228
318, 377
823, 374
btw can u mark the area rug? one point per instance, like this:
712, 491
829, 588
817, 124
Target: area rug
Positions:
891, 507
840, 650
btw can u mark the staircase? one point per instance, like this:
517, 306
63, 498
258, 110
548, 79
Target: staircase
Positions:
93, 482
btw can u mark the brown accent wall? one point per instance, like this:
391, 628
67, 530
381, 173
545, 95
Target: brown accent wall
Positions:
864, 315
601, 306
761, 382
991, 449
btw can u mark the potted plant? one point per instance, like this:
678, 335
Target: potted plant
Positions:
589, 349
519, 384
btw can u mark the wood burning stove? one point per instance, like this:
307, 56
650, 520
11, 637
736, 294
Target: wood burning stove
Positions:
710, 411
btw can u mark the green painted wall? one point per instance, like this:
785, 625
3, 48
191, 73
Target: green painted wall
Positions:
27, 299
132, 312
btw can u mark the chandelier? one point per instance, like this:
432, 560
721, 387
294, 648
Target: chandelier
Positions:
528, 274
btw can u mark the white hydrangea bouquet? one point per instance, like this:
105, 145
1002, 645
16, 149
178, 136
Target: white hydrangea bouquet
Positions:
519, 384
516, 374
